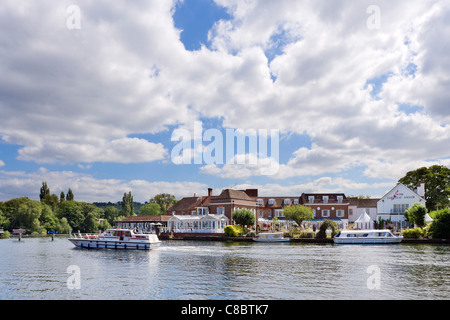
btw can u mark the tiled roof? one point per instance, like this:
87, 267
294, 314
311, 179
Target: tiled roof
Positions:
363, 203
232, 194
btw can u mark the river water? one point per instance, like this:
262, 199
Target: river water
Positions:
38, 269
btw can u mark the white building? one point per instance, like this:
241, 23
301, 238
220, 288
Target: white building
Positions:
357, 207
392, 205
209, 223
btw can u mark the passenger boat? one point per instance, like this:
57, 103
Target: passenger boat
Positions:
116, 239
271, 237
366, 237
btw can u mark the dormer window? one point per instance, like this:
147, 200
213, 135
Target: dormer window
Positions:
271, 201
287, 201
295, 201
260, 202
311, 199
340, 199
325, 199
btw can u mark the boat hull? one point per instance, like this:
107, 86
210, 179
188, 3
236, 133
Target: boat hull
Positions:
124, 245
367, 240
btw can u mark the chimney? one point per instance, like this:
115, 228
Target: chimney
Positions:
421, 189
210, 190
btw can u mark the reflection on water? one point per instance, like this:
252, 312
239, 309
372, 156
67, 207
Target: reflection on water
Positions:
36, 268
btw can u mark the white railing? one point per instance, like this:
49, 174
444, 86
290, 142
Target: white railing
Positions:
84, 235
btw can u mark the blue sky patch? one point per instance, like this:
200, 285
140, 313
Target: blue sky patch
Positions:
196, 18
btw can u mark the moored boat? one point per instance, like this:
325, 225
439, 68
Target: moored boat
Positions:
366, 237
116, 239
271, 237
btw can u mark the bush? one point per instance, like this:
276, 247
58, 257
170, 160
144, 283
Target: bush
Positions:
412, 233
440, 228
233, 230
323, 228
4, 235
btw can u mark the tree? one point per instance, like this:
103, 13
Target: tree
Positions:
298, 213
127, 205
111, 214
64, 226
164, 200
44, 190
437, 184
62, 197
416, 214
51, 200
151, 209
244, 217
440, 228
70, 196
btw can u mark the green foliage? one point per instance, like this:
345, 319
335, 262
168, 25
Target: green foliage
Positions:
244, 217
233, 230
437, 184
44, 191
5, 235
416, 214
127, 205
412, 233
70, 196
324, 227
151, 209
298, 213
111, 214
164, 200
440, 228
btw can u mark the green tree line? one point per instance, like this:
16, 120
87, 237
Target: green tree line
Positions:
65, 215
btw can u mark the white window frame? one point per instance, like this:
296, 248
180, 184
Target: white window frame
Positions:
295, 201
260, 202
340, 213
325, 199
220, 210
271, 201
325, 215
287, 201
340, 199
311, 199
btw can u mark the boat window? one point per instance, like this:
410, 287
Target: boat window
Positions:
365, 235
127, 234
338, 234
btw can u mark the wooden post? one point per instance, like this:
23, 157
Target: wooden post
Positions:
20, 236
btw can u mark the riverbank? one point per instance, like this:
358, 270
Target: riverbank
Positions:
221, 237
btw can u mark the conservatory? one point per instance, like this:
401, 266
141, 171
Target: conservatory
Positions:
210, 223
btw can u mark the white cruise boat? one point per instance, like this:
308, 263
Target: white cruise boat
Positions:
271, 237
116, 239
366, 237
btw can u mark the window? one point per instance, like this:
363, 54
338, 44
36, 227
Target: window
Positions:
325, 213
350, 212
270, 214
400, 208
325, 199
193, 212
202, 211
311, 199
314, 214
271, 201
295, 201
340, 213
287, 201
260, 202
340, 199
279, 213
220, 210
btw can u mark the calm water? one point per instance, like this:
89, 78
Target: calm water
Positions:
36, 268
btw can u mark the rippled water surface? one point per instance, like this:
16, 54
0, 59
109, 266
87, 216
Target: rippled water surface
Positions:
36, 268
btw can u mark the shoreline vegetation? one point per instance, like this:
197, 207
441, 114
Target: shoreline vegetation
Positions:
63, 215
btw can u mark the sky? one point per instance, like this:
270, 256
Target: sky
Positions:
108, 97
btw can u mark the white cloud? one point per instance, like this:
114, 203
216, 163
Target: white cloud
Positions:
87, 188
2, 164
78, 95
